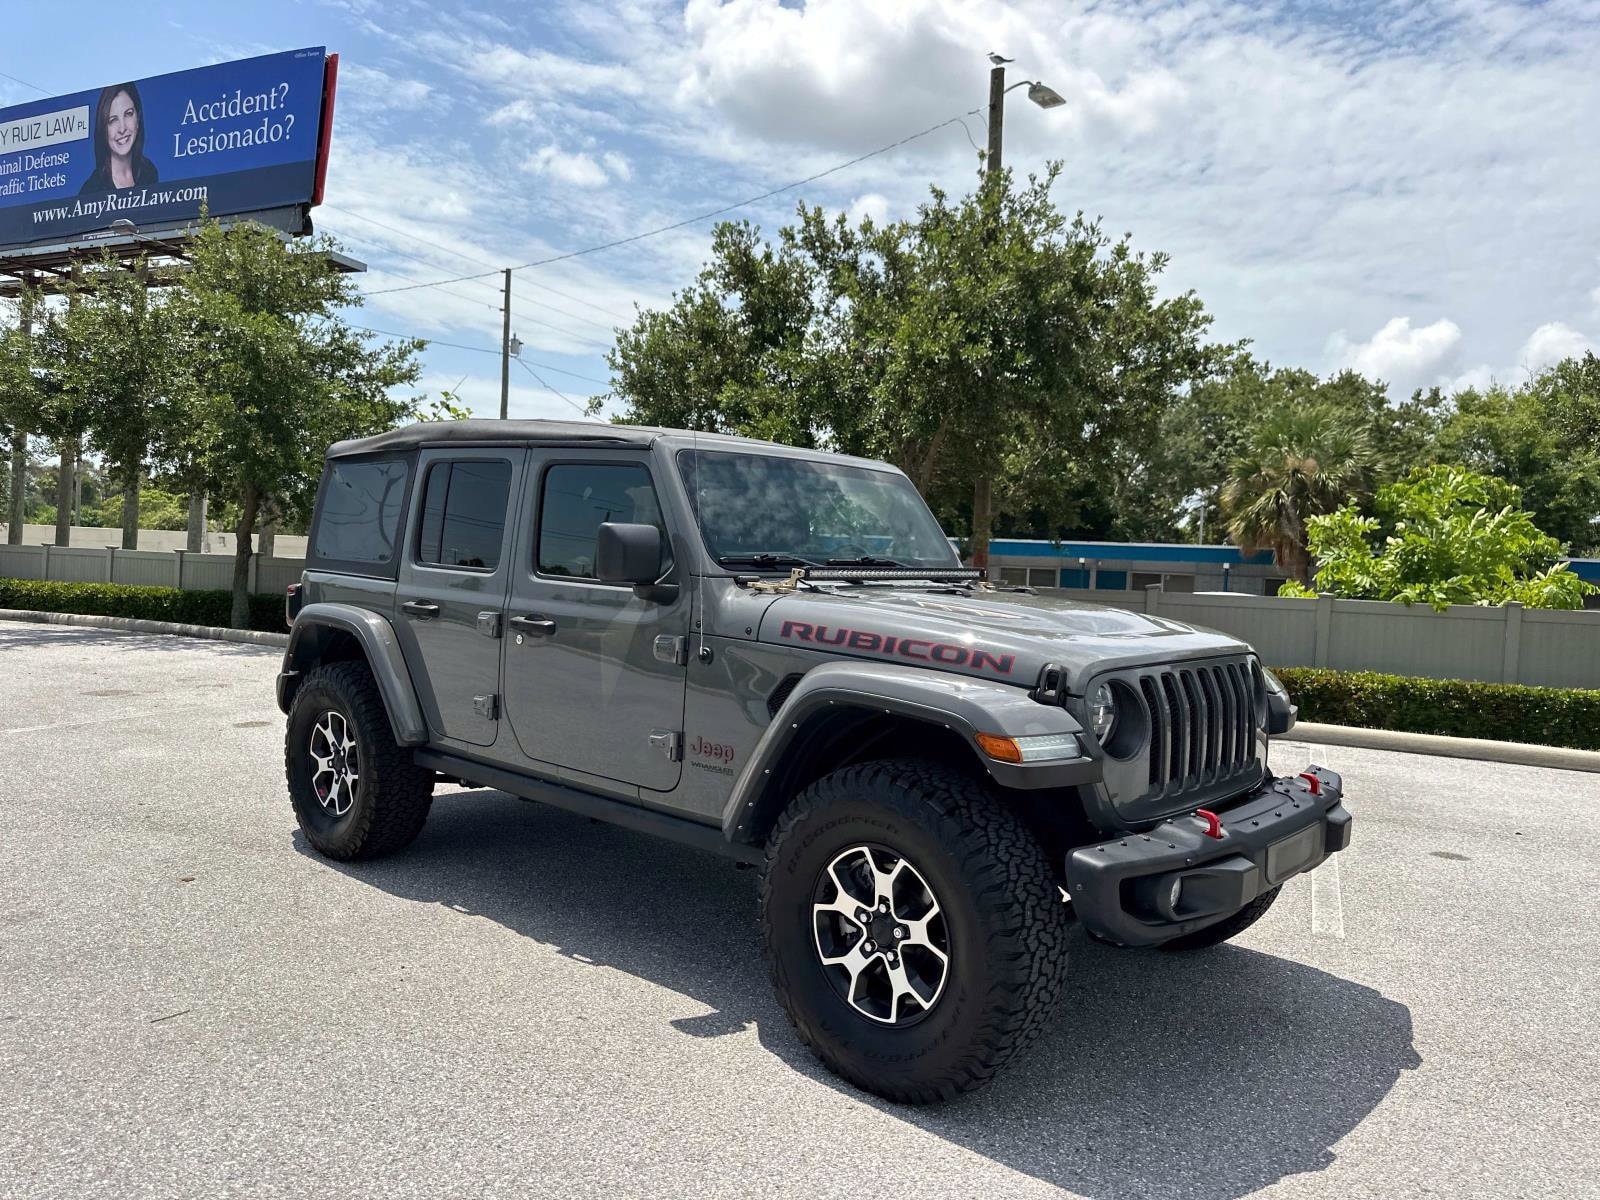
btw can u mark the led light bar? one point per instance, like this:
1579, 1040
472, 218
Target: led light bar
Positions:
827, 573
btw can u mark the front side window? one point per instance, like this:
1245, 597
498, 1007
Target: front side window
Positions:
751, 505
577, 498
464, 514
358, 516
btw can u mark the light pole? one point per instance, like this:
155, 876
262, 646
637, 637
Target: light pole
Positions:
1045, 97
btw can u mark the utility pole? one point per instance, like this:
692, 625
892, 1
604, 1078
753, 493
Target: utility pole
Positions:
997, 118
1045, 97
505, 351
982, 486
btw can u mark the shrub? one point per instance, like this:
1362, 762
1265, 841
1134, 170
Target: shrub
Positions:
1502, 712
146, 603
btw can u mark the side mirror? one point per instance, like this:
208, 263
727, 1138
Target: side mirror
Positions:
630, 554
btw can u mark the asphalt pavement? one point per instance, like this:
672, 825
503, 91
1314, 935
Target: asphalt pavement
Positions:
527, 1003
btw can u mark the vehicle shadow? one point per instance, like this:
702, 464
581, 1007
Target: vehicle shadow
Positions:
1208, 1075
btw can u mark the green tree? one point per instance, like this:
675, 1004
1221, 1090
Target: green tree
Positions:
1449, 536
1009, 358
1212, 426
1542, 437
276, 374
20, 402
1298, 463
125, 367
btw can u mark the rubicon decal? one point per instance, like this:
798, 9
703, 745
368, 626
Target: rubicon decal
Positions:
948, 654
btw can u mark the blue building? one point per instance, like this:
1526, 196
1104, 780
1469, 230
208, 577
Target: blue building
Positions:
1177, 567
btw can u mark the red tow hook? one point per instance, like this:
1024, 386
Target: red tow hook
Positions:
1213, 822
1313, 784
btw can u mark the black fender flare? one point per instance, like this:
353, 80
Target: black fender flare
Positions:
379, 645
965, 706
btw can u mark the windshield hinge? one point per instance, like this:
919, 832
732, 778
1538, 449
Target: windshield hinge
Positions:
780, 585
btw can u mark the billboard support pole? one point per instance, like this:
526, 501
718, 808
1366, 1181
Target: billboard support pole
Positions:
505, 351
19, 443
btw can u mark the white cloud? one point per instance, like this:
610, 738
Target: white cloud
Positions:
372, 87
869, 204
1400, 354
617, 165
579, 170
1549, 344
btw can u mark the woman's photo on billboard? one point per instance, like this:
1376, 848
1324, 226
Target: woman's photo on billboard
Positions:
119, 160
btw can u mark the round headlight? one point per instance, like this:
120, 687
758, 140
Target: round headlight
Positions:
1102, 712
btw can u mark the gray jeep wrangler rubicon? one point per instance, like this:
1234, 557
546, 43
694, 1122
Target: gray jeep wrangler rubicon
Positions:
773, 653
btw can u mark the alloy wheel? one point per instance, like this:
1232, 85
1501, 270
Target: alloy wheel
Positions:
338, 763
881, 935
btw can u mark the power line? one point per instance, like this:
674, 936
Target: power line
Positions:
462, 254
705, 216
26, 84
477, 349
548, 388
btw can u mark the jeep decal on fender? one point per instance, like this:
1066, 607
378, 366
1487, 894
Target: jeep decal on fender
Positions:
949, 654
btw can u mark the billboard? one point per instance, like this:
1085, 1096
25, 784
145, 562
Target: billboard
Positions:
234, 138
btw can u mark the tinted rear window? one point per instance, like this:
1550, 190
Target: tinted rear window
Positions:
358, 518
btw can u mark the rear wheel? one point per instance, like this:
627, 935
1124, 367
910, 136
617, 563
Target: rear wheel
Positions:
915, 934
355, 791
1215, 935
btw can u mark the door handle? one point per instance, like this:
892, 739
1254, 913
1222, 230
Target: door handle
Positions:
533, 623
421, 608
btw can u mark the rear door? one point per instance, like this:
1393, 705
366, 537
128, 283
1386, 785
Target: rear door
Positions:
449, 610
594, 675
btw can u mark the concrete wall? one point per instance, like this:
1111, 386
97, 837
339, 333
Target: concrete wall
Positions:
1510, 644
98, 538
147, 568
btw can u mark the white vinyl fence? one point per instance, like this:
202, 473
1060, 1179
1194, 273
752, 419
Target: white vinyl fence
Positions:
1497, 645
1541, 647
149, 568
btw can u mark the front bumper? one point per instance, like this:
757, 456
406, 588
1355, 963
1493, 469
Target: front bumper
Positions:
1121, 889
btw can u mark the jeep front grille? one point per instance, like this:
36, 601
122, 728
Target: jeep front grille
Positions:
1202, 725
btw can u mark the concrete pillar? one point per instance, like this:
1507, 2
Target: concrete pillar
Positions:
197, 523
1324, 629
1511, 664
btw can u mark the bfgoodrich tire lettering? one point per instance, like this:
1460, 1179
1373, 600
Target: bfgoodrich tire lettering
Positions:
386, 807
1005, 927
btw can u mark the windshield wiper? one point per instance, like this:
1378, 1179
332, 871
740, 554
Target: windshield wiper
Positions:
765, 560
866, 560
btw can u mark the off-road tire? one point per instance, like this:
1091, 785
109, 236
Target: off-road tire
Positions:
1006, 923
392, 795
1215, 935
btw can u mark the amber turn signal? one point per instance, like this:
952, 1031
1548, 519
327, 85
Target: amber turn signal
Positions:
1000, 747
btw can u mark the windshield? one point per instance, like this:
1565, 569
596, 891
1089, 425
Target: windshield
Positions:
763, 510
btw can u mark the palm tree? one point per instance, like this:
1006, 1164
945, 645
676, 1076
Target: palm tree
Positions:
1300, 462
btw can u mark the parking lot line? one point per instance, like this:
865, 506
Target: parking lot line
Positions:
1327, 901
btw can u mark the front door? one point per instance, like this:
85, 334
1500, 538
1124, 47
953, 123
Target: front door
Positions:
449, 605
594, 675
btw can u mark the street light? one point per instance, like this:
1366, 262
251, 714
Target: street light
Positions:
1045, 97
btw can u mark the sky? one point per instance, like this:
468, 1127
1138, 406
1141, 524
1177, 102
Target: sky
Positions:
1412, 190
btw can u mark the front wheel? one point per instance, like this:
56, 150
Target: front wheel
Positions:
914, 931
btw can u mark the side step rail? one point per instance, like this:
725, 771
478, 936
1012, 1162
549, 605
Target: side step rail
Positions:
587, 804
